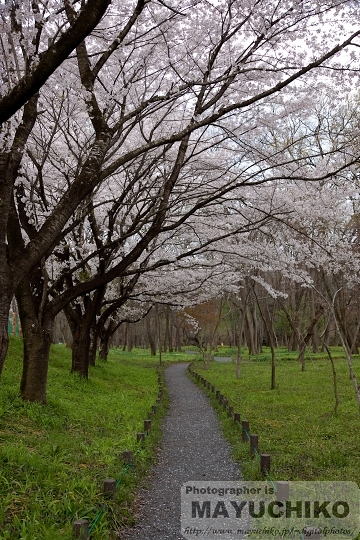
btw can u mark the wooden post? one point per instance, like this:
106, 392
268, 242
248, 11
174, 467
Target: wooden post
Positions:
81, 529
264, 464
110, 488
212, 388
254, 444
217, 394
147, 425
237, 417
140, 437
154, 409
128, 457
282, 491
225, 403
245, 428
231, 411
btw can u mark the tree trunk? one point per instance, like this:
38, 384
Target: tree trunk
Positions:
336, 395
150, 336
125, 337
93, 346
269, 326
239, 342
171, 340
9, 166
310, 331
167, 330
326, 338
80, 350
104, 346
5, 301
35, 365
250, 333
130, 337
315, 336
37, 341
177, 338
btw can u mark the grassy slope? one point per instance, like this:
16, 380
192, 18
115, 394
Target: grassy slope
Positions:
53, 459
295, 422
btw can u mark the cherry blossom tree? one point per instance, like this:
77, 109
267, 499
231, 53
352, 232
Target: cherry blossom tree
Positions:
167, 109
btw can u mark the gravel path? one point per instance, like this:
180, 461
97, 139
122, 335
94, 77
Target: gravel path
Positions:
193, 448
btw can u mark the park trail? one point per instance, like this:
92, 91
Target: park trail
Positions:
193, 448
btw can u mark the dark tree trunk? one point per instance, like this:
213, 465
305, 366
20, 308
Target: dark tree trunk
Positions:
125, 337
104, 346
130, 337
250, 333
5, 301
80, 350
307, 338
167, 330
93, 346
37, 341
82, 322
150, 335
171, 346
6, 288
9, 166
177, 338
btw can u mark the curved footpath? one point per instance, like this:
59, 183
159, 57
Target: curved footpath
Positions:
193, 448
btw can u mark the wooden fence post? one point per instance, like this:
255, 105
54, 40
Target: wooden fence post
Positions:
128, 457
245, 429
110, 488
81, 529
264, 464
254, 444
282, 491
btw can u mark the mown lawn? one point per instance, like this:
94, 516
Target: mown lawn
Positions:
295, 422
54, 458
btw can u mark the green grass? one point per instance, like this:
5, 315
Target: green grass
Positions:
295, 422
54, 458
